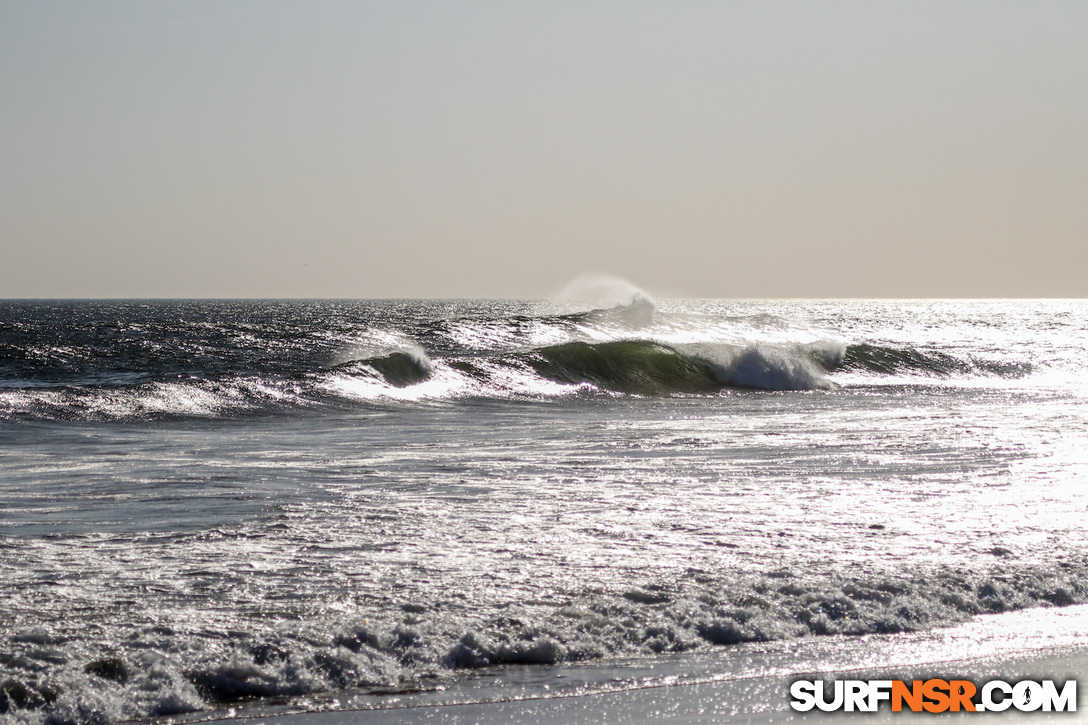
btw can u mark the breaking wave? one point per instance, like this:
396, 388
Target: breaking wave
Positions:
649, 368
636, 367
623, 344
399, 369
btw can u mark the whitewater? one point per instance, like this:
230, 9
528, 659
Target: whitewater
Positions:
247, 506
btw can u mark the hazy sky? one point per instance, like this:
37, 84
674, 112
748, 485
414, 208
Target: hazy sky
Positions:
498, 149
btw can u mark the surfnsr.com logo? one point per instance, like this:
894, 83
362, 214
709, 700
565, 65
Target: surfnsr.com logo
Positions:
935, 696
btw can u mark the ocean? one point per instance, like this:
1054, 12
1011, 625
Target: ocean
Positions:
240, 506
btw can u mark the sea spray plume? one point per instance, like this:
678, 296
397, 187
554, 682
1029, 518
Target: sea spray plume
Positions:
612, 295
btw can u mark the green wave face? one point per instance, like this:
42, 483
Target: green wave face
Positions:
399, 369
892, 361
630, 366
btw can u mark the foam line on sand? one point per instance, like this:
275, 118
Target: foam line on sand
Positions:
741, 684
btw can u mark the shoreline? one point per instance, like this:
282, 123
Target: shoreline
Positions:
742, 684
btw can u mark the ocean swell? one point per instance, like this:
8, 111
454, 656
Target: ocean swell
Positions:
886, 360
178, 360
